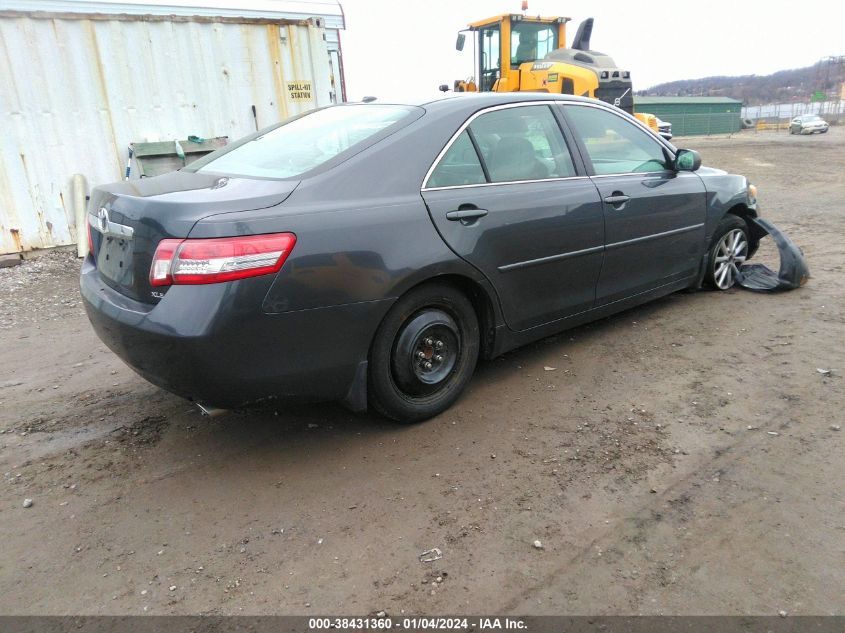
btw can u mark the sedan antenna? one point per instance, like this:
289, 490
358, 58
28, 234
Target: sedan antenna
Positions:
368, 99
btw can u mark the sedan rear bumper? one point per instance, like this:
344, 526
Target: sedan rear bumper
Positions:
213, 344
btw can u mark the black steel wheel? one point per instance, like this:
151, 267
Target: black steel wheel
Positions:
423, 354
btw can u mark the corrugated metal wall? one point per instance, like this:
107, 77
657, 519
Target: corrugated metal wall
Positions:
75, 92
691, 118
700, 121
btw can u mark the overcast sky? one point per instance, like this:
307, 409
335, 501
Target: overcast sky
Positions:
404, 49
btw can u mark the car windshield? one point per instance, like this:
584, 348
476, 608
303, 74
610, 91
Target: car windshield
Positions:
304, 143
812, 117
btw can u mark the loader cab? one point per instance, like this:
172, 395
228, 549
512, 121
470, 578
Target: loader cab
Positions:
504, 42
514, 52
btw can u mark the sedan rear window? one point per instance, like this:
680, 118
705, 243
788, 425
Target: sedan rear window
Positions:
304, 143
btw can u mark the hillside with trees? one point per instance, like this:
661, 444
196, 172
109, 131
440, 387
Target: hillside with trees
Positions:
797, 84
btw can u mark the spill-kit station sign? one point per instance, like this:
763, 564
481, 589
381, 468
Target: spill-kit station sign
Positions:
299, 90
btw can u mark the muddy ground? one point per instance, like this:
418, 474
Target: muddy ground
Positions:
680, 458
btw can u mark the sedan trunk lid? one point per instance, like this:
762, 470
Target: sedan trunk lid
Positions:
129, 219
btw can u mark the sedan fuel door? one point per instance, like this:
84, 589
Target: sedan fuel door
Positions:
506, 196
654, 215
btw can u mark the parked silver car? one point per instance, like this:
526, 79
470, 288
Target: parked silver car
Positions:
808, 124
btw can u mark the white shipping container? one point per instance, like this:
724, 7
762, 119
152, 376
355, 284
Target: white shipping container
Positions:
77, 88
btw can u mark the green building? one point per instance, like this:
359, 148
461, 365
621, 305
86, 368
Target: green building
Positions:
691, 116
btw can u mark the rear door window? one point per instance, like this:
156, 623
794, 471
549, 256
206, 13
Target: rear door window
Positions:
459, 166
522, 143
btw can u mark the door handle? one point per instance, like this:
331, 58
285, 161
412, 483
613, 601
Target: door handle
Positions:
618, 198
466, 214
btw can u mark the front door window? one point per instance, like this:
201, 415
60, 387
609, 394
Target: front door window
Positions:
614, 144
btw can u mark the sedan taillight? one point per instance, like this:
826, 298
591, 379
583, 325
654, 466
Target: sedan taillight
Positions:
90, 236
209, 261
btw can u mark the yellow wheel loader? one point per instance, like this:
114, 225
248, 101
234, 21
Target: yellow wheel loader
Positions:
514, 52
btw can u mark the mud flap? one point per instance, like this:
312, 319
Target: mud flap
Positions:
356, 397
793, 270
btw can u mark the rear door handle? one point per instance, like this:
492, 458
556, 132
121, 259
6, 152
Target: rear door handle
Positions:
616, 199
466, 214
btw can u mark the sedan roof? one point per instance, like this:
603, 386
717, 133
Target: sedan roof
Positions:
472, 100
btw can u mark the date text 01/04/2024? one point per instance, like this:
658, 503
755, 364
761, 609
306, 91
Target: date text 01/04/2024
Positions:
382, 622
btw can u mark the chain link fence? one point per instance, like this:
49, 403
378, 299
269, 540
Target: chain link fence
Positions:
776, 117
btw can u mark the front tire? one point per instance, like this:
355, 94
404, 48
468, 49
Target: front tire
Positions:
728, 251
424, 354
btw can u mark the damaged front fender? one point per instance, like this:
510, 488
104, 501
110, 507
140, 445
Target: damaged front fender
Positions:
793, 271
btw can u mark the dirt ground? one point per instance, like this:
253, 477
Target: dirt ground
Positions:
681, 458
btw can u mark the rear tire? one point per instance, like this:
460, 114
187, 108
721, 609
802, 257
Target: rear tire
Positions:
729, 249
424, 354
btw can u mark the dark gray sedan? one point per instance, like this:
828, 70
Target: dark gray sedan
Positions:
372, 253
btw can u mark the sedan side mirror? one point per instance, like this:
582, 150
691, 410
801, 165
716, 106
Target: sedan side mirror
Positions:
687, 160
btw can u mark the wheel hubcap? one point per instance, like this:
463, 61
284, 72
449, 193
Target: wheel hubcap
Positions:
731, 253
426, 352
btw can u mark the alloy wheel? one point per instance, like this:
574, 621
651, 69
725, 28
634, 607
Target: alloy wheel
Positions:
731, 252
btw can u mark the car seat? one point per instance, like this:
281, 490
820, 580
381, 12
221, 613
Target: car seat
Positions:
514, 158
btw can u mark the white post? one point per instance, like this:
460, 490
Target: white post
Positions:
79, 194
